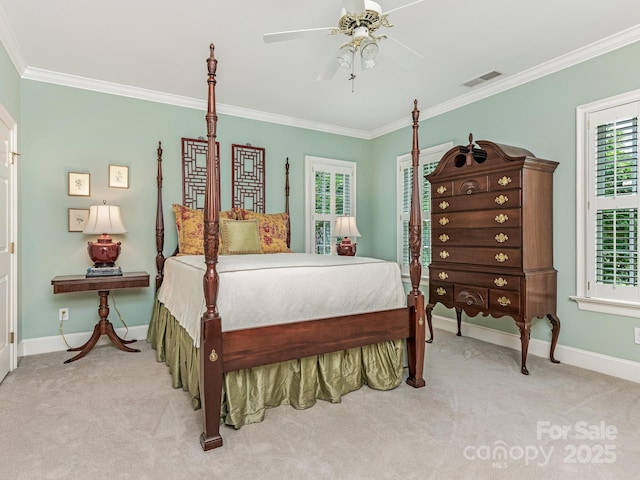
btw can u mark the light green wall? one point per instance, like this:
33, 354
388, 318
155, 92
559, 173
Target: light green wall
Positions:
67, 129
64, 129
541, 117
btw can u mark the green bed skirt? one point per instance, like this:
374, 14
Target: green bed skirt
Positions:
248, 393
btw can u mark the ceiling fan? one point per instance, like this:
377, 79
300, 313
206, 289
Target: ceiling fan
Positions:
359, 21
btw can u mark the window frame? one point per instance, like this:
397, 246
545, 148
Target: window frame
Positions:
596, 299
428, 155
334, 166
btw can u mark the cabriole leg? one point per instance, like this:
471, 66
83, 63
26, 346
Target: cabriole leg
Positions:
555, 332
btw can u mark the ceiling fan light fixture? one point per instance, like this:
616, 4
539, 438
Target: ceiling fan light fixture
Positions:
345, 56
368, 49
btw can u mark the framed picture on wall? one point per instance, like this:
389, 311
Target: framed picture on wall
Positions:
79, 184
118, 176
77, 219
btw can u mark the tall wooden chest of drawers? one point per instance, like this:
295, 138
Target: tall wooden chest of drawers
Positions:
492, 236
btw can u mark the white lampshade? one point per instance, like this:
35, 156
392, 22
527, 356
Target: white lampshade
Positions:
104, 219
346, 227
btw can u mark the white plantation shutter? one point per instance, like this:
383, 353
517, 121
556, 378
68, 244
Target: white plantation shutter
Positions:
613, 202
333, 185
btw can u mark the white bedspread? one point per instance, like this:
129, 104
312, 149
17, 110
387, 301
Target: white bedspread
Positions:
256, 290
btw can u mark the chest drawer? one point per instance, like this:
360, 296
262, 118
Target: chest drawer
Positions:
470, 185
494, 257
440, 292
509, 217
471, 296
487, 280
504, 180
502, 301
481, 237
442, 189
477, 201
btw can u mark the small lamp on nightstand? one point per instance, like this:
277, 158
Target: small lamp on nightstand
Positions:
104, 220
346, 227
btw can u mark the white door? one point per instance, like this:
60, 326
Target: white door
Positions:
8, 226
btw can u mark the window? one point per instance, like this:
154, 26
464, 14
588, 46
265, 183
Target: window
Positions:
331, 192
608, 204
429, 159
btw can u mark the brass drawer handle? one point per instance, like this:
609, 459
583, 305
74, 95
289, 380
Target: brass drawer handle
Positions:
444, 237
500, 282
504, 181
502, 199
501, 238
443, 205
441, 189
501, 218
443, 221
444, 254
501, 257
443, 275
441, 291
504, 301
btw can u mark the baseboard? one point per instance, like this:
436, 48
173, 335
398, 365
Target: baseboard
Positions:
616, 367
35, 346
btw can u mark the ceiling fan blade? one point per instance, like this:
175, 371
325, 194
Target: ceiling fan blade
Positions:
401, 7
354, 6
330, 68
293, 34
400, 53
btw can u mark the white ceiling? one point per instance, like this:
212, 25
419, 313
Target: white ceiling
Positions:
150, 48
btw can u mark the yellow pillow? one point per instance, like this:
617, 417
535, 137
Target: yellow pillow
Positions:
272, 228
239, 237
190, 226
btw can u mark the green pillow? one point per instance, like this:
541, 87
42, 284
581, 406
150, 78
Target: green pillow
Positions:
239, 236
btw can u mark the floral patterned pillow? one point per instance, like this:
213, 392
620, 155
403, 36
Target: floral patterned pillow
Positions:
190, 226
272, 228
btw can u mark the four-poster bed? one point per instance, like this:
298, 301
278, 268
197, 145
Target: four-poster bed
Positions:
363, 326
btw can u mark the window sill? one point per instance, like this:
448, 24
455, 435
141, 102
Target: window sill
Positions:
613, 307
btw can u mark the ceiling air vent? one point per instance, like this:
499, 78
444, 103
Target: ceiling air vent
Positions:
482, 78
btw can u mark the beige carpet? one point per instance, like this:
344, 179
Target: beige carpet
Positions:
113, 415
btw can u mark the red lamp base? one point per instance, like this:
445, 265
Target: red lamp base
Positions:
346, 247
104, 251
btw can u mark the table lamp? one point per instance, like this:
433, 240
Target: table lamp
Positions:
104, 220
346, 227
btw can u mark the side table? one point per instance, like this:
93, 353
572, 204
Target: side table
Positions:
80, 283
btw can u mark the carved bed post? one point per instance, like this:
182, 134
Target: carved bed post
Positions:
286, 201
210, 324
415, 298
159, 225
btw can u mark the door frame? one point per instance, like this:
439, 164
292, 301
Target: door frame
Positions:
12, 212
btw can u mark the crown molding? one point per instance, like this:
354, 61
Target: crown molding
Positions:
293, 122
75, 81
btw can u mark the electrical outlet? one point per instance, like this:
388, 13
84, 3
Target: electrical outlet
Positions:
63, 314
636, 335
